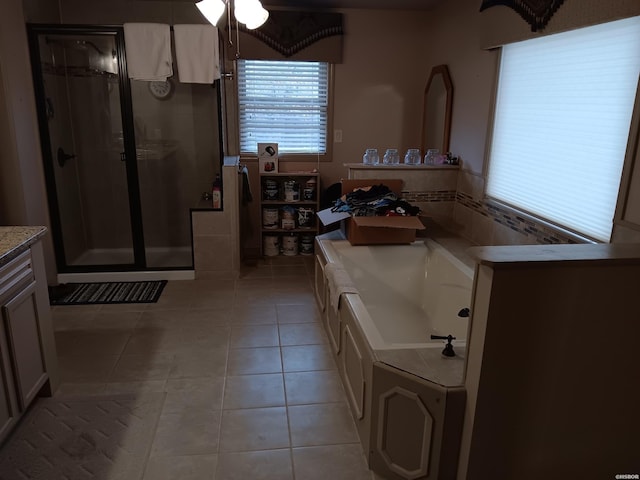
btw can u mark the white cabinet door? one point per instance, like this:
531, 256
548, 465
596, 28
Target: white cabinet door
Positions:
21, 324
416, 426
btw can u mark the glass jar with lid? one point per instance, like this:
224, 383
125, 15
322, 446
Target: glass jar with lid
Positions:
391, 157
412, 157
371, 157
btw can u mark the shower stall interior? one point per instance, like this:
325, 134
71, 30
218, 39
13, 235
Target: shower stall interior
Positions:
125, 160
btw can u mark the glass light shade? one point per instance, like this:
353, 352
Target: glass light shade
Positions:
250, 12
211, 9
258, 17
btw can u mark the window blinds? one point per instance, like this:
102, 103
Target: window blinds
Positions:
284, 102
562, 115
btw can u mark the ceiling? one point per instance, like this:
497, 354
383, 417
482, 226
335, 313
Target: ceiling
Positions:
375, 4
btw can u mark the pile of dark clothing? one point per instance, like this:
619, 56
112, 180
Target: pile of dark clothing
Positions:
376, 200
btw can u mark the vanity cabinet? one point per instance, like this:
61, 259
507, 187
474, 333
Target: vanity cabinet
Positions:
23, 371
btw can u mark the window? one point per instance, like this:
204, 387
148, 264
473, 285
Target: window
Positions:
283, 102
561, 126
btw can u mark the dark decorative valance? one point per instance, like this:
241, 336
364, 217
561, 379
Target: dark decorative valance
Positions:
537, 13
289, 33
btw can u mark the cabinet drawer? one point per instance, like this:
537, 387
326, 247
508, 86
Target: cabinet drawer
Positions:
15, 275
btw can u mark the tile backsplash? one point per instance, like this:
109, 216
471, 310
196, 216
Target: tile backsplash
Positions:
486, 223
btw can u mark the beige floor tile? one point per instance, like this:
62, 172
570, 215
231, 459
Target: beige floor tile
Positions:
335, 462
263, 298
74, 389
199, 363
254, 314
152, 366
281, 272
254, 336
247, 361
313, 387
212, 302
84, 369
89, 343
302, 334
178, 318
252, 391
170, 302
303, 313
254, 285
204, 337
192, 322
264, 465
304, 358
189, 432
63, 310
96, 321
254, 429
193, 393
147, 340
187, 467
249, 273
146, 386
215, 316
321, 424
293, 297
123, 307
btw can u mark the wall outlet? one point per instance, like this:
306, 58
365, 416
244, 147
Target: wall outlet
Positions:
337, 136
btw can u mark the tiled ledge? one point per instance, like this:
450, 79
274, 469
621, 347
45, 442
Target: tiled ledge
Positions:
402, 166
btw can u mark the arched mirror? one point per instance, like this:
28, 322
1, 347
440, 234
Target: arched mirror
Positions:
436, 113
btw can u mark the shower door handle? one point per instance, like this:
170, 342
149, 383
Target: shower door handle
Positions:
123, 156
63, 157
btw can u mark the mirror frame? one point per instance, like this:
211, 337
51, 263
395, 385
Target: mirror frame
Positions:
444, 71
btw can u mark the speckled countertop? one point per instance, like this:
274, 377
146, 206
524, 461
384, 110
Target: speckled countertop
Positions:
15, 240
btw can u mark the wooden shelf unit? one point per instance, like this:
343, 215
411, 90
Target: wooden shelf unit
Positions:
281, 200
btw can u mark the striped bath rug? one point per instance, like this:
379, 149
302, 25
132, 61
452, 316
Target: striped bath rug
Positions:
106, 292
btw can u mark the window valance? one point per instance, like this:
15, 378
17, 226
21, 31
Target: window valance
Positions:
292, 35
535, 12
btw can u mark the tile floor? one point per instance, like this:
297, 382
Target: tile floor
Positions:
251, 390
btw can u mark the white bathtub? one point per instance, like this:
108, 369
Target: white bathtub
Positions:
406, 292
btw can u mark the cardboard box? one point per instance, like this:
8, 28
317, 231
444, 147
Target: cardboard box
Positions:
382, 230
374, 230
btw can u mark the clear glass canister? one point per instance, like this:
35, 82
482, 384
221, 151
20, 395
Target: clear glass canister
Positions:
412, 157
391, 157
371, 157
430, 156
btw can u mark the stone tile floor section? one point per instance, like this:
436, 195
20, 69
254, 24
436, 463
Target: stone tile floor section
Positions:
251, 390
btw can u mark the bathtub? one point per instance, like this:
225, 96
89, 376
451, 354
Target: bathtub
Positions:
406, 293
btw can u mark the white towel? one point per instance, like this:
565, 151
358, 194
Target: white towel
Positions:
148, 49
197, 53
339, 282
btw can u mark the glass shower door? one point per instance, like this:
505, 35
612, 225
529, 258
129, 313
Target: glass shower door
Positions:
84, 144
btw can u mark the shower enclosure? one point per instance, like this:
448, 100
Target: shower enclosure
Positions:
124, 160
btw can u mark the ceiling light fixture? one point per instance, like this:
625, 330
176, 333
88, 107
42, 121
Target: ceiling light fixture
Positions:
249, 12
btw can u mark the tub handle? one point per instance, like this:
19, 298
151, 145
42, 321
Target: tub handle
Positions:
448, 349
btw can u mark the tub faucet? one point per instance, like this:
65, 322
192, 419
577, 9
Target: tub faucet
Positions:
448, 349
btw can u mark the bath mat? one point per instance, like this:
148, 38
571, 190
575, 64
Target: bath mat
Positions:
80, 438
106, 292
